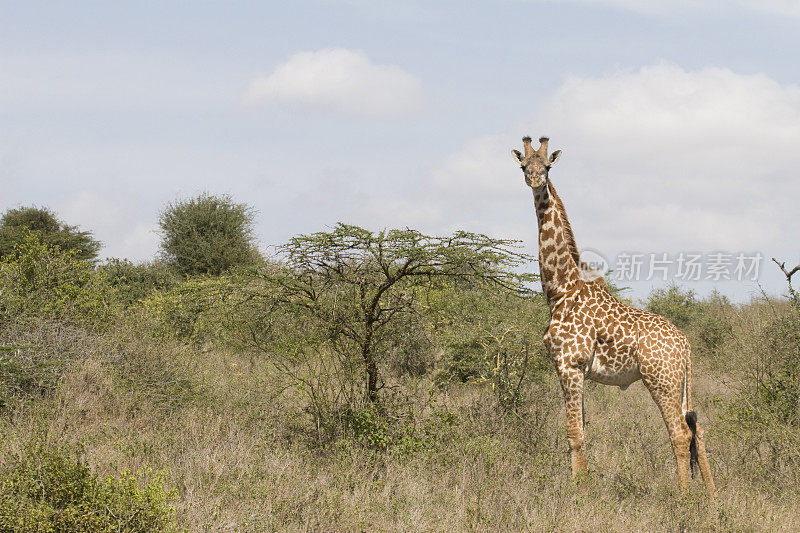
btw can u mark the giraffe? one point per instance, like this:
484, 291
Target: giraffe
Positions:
593, 335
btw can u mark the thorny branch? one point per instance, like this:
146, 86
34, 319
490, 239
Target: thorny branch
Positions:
789, 274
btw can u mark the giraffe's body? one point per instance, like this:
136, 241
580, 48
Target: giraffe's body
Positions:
593, 335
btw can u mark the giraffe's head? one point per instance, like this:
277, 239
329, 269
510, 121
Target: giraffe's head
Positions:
535, 163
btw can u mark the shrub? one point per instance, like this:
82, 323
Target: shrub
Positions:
371, 427
17, 223
207, 235
50, 489
396, 428
713, 324
42, 280
763, 418
677, 305
410, 347
34, 354
493, 338
188, 311
707, 322
777, 372
133, 283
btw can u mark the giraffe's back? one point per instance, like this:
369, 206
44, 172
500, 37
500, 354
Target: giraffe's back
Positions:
630, 343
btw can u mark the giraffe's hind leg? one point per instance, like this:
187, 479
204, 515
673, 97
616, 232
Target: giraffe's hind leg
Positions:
668, 399
572, 384
705, 466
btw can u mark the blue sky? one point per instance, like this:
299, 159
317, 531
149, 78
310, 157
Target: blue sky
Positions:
679, 121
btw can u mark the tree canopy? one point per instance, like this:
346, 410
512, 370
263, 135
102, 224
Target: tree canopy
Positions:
207, 234
16, 223
356, 283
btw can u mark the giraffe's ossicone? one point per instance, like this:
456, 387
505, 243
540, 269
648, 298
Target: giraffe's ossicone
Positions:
593, 335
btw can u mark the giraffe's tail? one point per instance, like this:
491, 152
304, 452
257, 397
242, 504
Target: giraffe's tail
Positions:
691, 420
690, 415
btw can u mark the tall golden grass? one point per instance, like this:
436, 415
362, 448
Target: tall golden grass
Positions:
236, 444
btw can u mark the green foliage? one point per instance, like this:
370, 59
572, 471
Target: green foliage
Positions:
411, 347
50, 489
707, 321
45, 281
207, 235
190, 310
371, 427
778, 373
16, 224
133, 283
712, 325
507, 356
763, 417
359, 285
679, 306
401, 431
493, 338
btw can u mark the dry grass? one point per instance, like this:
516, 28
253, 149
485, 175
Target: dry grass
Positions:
231, 448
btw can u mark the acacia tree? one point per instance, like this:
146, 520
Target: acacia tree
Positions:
357, 283
44, 224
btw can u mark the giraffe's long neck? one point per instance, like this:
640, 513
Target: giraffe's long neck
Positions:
558, 254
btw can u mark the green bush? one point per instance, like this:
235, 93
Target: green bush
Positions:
679, 306
778, 367
50, 489
188, 311
17, 223
371, 427
207, 235
42, 280
463, 362
410, 347
133, 282
399, 430
713, 324
493, 338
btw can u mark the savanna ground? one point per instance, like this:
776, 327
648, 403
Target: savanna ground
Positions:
186, 403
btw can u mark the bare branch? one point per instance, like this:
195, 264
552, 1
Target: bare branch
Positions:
787, 273
793, 294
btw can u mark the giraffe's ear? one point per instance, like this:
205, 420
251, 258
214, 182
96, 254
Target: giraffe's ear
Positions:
517, 156
554, 157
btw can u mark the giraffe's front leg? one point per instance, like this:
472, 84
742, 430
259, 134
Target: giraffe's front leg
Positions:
572, 384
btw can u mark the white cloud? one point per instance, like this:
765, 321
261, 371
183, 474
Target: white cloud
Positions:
660, 159
478, 167
112, 222
140, 242
341, 80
